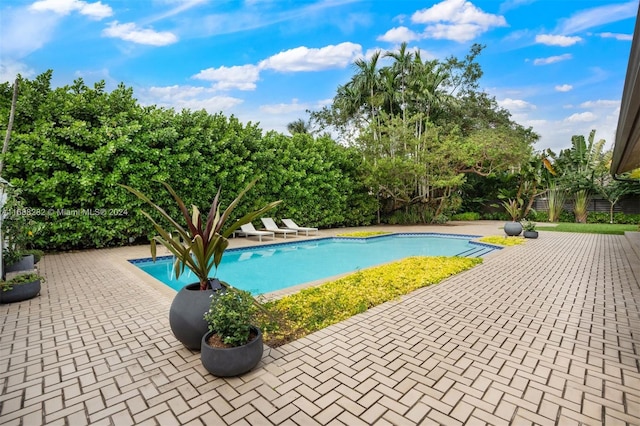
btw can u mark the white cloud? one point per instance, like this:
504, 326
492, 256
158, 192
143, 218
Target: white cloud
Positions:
189, 97
26, 29
212, 105
557, 40
556, 127
293, 107
459, 32
399, 35
324, 102
564, 88
9, 70
600, 103
242, 77
95, 10
513, 4
598, 16
306, 59
516, 104
552, 59
617, 36
457, 20
131, 32
581, 117
23, 32
181, 6
175, 92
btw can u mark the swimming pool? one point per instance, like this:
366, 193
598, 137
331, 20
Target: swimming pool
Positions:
267, 268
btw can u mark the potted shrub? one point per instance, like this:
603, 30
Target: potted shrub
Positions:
529, 228
513, 228
233, 345
19, 288
198, 246
37, 254
18, 231
16, 260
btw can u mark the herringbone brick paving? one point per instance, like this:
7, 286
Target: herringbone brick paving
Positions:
544, 333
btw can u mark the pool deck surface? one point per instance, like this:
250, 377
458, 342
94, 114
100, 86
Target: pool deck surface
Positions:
545, 333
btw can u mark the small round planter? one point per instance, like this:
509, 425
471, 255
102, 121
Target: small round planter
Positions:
530, 234
24, 264
186, 315
512, 229
36, 257
228, 362
20, 292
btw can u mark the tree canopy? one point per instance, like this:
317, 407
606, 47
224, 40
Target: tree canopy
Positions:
422, 126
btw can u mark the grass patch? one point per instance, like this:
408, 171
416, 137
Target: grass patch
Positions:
590, 228
312, 309
363, 234
502, 240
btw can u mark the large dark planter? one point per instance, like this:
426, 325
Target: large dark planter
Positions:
186, 315
24, 264
530, 234
20, 292
228, 362
512, 229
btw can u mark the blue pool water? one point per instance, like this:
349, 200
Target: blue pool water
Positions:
274, 267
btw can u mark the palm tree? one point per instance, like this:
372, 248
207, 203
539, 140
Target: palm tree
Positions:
426, 82
388, 86
367, 80
402, 68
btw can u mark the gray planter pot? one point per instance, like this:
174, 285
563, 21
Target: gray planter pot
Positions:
186, 315
20, 292
24, 264
228, 362
530, 234
512, 229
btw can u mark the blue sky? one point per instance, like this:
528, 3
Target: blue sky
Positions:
556, 65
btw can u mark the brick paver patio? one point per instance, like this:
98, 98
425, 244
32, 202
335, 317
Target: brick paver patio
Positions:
544, 333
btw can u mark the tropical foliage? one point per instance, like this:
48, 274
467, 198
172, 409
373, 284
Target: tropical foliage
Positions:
556, 197
422, 127
582, 172
417, 142
528, 225
201, 244
512, 207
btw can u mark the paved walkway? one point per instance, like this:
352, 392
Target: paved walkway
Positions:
543, 333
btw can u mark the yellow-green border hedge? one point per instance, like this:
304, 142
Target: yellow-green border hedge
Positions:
312, 309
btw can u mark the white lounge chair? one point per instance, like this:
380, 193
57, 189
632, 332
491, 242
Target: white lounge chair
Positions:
290, 224
249, 230
270, 225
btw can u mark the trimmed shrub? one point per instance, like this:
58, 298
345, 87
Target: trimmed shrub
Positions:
466, 216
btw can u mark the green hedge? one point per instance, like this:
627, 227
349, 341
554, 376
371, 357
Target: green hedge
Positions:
466, 216
71, 147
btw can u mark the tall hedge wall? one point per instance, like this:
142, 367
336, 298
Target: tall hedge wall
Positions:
72, 145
